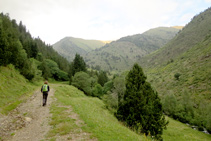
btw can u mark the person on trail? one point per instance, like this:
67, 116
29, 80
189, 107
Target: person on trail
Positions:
45, 89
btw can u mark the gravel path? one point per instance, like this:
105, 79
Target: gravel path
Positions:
28, 122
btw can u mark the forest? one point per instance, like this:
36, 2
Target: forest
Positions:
31, 56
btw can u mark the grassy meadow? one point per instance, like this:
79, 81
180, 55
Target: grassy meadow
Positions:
100, 123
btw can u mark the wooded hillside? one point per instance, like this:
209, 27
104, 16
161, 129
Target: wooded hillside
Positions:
31, 56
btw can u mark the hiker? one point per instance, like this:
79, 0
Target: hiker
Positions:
45, 89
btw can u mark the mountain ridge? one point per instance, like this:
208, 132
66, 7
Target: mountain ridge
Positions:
69, 46
195, 32
122, 53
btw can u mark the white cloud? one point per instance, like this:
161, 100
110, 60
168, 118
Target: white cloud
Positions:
52, 20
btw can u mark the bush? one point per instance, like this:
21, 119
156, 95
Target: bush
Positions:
111, 101
169, 105
82, 81
177, 75
97, 91
108, 86
62, 75
119, 88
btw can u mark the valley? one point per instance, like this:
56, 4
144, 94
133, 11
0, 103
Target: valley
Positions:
176, 61
92, 79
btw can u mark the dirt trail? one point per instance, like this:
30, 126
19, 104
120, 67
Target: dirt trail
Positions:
29, 121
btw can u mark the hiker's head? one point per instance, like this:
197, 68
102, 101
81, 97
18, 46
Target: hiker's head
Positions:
46, 82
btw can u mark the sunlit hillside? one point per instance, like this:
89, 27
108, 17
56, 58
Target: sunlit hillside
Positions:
178, 27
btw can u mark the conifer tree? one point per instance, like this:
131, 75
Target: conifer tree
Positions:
77, 65
141, 108
5, 54
102, 78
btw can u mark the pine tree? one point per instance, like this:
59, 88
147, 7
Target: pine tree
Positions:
5, 54
77, 65
141, 108
102, 78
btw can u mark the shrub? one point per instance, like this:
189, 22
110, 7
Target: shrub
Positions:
177, 75
169, 104
108, 86
97, 91
81, 80
62, 75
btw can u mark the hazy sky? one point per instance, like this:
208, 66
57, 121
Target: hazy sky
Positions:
53, 20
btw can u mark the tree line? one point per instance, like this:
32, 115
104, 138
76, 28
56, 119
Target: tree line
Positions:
31, 56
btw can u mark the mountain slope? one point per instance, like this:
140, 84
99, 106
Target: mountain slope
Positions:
121, 54
69, 46
188, 37
180, 71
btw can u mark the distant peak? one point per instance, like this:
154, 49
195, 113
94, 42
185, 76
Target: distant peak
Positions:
106, 42
177, 27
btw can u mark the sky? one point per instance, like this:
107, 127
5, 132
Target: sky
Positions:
52, 20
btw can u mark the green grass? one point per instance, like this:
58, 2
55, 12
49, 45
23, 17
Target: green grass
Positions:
98, 120
14, 89
104, 125
177, 131
61, 123
101, 123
